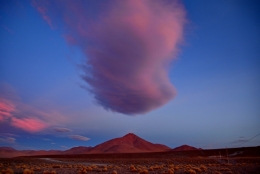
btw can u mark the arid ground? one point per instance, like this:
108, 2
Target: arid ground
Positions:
239, 160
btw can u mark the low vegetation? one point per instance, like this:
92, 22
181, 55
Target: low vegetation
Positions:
140, 165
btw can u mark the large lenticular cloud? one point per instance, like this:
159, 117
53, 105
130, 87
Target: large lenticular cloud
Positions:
128, 46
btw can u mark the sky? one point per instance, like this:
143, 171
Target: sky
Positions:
78, 73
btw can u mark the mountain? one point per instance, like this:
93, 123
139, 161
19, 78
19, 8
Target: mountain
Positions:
184, 148
78, 150
129, 143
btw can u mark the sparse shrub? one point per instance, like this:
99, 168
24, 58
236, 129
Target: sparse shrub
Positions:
197, 169
217, 172
170, 171
151, 168
83, 171
203, 168
143, 172
56, 166
171, 166
37, 169
114, 172
191, 171
117, 167
176, 168
98, 170
224, 169
24, 166
8, 171
69, 166
88, 168
93, 166
28, 171
133, 169
49, 172
156, 167
228, 164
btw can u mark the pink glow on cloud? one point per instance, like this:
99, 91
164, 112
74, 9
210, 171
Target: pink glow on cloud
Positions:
28, 124
6, 109
128, 46
24, 116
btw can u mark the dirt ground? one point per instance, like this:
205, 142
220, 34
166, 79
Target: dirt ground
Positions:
129, 164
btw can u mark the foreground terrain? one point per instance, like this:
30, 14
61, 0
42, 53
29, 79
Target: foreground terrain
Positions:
242, 160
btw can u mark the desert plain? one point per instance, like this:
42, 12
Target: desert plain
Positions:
217, 161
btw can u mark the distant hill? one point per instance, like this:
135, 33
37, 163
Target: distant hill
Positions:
184, 148
7, 149
129, 143
9, 152
78, 150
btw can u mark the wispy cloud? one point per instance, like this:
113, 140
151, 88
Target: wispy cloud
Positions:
128, 46
239, 141
9, 140
23, 116
62, 130
8, 135
46, 139
29, 124
79, 137
6, 109
43, 11
7, 29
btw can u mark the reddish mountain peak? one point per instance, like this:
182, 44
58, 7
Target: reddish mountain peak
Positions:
130, 136
184, 148
128, 144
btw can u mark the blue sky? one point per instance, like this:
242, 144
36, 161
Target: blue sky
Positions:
215, 73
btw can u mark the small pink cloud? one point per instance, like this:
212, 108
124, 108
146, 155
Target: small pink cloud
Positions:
6, 109
16, 113
29, 124
79, 137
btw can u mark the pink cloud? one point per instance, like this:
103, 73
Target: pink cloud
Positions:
28, 124
129, 46
6, 109
25, 116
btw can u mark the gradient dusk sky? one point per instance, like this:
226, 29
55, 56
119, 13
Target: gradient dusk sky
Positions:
78, 73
